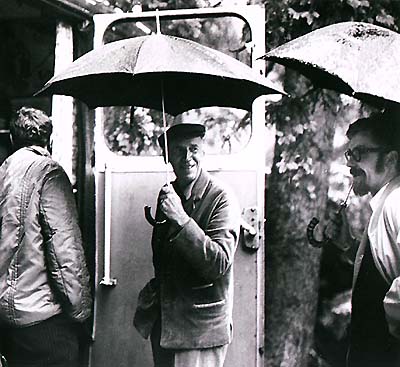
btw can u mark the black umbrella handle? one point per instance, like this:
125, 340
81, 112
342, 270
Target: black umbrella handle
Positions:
314, 221
310, 234
311, 227
149, 217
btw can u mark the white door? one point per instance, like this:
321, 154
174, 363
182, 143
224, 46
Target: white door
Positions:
126, 183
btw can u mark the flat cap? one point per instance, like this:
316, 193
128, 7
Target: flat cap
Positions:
182, 130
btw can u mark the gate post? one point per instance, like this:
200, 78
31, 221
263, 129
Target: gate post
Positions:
63, 106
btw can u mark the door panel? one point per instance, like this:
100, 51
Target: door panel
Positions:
243, 351
131, 266
124, 185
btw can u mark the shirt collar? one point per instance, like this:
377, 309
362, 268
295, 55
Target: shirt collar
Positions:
38, 150
198, 188
200, 185
376, 199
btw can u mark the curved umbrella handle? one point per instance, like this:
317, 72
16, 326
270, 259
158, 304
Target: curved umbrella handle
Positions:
149, 217
310, 234
313, 223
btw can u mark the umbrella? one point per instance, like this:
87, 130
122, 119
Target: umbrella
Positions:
163, 72
150, 70
355, 58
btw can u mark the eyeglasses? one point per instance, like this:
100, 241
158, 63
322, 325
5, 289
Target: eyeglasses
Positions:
357, 152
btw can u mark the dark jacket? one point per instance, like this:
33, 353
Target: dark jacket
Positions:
194, 269
42, 265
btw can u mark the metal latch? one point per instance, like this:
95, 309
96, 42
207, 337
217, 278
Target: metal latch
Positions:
249, 227
107, 279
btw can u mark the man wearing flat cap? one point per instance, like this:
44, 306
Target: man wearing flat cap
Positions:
189, 317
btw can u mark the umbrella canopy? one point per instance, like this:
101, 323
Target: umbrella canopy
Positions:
144, 71
355, 58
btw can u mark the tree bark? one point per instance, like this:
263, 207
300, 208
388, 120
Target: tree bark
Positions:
297, 191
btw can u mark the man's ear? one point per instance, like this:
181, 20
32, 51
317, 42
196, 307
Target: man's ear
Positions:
392, 159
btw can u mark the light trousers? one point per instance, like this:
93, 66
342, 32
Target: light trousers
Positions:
207, 357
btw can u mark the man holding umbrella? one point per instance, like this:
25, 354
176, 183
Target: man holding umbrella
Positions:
361, 60
193, 253
373, 156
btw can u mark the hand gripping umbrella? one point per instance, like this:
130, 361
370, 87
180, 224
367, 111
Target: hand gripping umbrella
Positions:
355, 58
163, 72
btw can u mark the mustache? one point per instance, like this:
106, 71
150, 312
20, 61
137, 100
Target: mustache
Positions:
356, 171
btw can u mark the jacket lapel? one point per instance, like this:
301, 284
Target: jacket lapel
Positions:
360, 255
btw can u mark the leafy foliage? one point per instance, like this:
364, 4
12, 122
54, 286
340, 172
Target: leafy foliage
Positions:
127, 5
289, 19
133, 130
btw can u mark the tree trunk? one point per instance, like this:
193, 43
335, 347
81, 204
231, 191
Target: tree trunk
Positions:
297, 191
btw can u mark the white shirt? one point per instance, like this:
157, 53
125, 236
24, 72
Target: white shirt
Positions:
384, 238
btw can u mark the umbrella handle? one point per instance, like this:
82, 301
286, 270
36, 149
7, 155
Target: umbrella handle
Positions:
149, 217
313, 223
310, 234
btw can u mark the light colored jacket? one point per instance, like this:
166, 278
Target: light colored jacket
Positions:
42, 265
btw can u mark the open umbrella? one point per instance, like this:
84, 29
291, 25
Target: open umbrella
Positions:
144, 71
163, 72
358, 59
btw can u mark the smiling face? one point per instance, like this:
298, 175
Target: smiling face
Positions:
371, 172
185, 156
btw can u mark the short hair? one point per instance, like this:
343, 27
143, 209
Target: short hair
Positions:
383, 127
31, 126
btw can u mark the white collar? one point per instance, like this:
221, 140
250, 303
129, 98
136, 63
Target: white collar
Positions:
376, 198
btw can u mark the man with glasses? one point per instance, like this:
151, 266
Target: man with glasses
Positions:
373, 157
